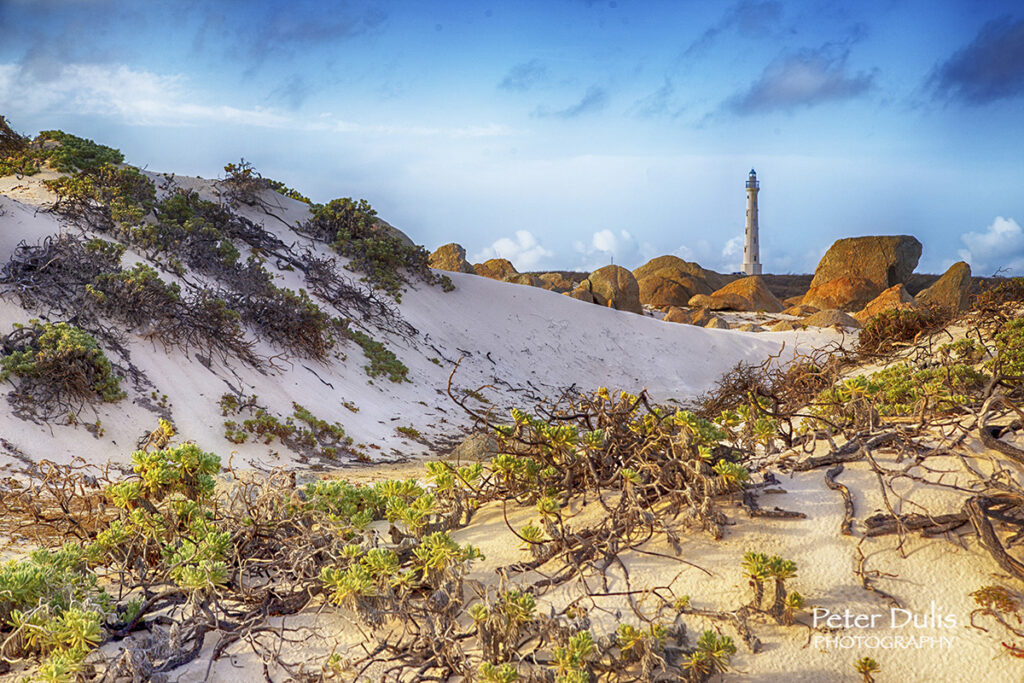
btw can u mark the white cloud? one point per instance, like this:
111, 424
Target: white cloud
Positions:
1000, 246
139, 97
608, 246
525, 252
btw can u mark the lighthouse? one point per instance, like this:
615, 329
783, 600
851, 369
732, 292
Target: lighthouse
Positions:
751, 253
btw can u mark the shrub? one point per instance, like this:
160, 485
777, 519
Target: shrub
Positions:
59, 363
73, 153
354, 231
106, 196
383, 361
898, 390
893, 326
1009, 343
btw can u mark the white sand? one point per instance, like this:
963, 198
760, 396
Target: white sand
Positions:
524, 343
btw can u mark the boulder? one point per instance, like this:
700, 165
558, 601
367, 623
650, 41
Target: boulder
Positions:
495, 268
673, 268
844, 293
677, 315
700, 317
793, 301
615, 287
950, 292
885, 260
582, 295
750, 327
800, 310
875, 263
786, 326
451, 257
659, 290
896, 297
556, 282
717, 323
523, 279
746, 294
830, 318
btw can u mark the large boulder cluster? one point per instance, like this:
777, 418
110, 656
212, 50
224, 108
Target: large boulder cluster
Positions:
856, 279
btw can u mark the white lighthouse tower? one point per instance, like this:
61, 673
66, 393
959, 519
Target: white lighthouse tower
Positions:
751, 253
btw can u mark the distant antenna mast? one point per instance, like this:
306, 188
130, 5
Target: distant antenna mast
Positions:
751, 252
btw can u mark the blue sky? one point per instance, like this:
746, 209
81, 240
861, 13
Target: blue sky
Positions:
566, 133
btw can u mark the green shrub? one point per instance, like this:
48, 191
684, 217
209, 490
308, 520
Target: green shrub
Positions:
1009, 343
63, 362
899, 390
354, 231
123, 196
382, 360
73, 153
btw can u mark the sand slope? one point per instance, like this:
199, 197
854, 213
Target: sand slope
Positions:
524, 343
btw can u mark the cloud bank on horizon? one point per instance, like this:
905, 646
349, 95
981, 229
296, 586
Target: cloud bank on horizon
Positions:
570, 134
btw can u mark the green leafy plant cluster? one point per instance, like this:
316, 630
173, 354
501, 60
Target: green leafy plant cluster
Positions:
759, 568
52, 608
59, 362
282, 189
73, 153
318, 437
122, 196
1009, 346
898, 390
354, 231
382, 360
65, 152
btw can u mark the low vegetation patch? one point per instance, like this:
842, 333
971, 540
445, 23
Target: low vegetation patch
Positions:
301, 431
57, 368
894, 327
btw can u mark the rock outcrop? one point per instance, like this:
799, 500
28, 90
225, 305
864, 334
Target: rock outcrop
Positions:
582, 295
746, 294
801, 310
700, 317
951, 291
786, 326
556, 282
670, 281
830, 318
523, 279
857, 269
615, 287
896, 297
660, 291
678, 315
478, 447
844, 293
749, 327
451, 257
495, 268
717, 323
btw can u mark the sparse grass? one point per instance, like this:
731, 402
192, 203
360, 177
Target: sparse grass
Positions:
410, 432
382, 360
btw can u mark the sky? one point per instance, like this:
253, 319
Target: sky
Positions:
566, 134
